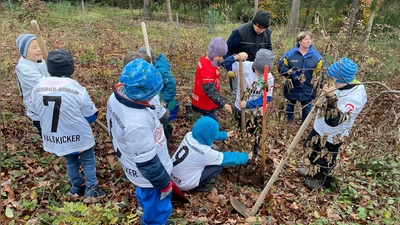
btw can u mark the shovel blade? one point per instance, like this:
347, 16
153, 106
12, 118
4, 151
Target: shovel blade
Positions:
177, 195
239, 207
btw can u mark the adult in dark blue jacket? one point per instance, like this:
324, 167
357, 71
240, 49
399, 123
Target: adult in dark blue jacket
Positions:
300, 65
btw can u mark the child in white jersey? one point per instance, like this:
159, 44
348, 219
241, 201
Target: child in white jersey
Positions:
65, 111
31, 69
344, 101
196, 163
163, 112
139, 140
253, 83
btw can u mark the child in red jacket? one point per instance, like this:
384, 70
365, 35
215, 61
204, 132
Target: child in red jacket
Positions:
206, 96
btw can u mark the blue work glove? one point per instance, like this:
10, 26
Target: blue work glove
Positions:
166, 191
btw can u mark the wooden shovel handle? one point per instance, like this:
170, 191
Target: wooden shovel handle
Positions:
241, 89
39, 38
146, 40
278, 169
264, 123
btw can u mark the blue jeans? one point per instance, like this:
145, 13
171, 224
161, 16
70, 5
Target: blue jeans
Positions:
36, 123
156, 211
306, 109
88, 162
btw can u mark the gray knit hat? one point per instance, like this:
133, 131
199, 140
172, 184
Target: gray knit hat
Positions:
143, 50
264, 57
23, 42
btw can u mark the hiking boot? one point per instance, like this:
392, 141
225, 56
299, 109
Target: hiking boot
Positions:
302, 171
93, 193
139, 210
205, 188
315, 184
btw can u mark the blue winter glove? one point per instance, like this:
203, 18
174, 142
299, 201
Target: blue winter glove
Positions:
166, 191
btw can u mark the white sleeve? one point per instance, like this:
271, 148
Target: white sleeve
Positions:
271, 80
213, 157
160, 110
88, 108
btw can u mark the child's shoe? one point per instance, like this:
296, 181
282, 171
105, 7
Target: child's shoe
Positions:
93, 194
77, 191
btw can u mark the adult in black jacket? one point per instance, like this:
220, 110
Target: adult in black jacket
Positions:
250, 37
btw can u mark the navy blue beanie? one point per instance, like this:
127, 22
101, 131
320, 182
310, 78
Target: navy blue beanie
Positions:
60, 63
205, 130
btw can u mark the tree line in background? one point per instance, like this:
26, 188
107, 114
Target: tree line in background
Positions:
329, 15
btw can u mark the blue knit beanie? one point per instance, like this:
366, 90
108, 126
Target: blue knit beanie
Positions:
217, 47
205, 130
23, 42
141, 80
344, 70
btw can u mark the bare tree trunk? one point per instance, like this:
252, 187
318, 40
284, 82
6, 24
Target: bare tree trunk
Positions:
255, 7
199, 11
369, 27
306, 17
294, 17
146, 9
169, 13
353, 11
131, 9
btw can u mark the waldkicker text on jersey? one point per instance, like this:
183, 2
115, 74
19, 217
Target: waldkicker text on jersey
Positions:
62, 139
59, 89
176, 180
129, 171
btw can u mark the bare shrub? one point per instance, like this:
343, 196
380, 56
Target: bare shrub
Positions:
30, 9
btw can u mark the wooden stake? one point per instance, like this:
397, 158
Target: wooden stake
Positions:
39, 38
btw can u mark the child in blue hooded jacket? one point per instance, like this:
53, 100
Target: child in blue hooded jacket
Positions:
195, 163
168, 92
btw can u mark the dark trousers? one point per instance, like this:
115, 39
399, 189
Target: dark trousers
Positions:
210, 114
209, 173
326, 164
306, 109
